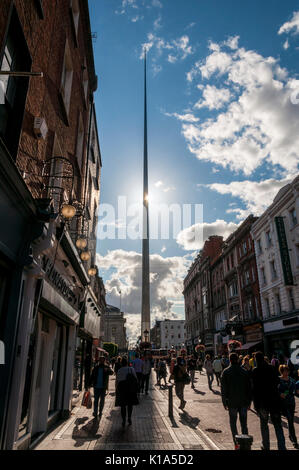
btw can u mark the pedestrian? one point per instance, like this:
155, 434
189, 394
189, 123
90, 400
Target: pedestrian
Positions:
224, 361
171, 366
156, 369
236, 395
137, 366
266, 359
199, 365
179, 376
275, 363
217, 367
208, 365
287, 390
240, 359
266, 401
252, 361
126, 390
117, 365
245, 364
162, 371
146, 372
99, 380
292, 369
191, 367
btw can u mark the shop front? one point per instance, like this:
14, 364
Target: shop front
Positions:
253, 339
281, 336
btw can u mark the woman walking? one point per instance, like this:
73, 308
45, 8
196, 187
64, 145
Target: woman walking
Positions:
126, 390
179, 375
208, 365
199, 365
287, 390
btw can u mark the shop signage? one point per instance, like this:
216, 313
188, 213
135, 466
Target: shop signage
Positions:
284, 252
58, 282
254, 336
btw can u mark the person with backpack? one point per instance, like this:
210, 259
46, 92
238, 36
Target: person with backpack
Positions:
162, 369
287, 391
179, 376
208, 365
191, 367
126, 391
99, 380
266, 401
236, 395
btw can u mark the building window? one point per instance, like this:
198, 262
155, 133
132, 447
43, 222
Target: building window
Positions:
245, 248
67, 78
263, 277
259, 247
293, 217
80, 139
267, 306
291, 299
273, 270
75, 15
269, 239
247, 277
278, 304
253, 274
13, 90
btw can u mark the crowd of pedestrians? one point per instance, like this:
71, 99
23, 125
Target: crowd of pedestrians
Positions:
270, 385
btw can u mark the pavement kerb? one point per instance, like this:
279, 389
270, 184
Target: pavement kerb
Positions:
196, 437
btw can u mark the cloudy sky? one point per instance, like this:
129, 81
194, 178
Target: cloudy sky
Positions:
223, 120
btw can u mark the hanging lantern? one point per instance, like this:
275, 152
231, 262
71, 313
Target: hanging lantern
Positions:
81, 243
85, 256
68, 211
92, 271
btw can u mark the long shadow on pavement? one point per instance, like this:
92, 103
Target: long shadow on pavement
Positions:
188, 420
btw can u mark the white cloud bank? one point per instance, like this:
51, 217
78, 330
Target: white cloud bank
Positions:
259, 123
167, 276
188, 241
292, 25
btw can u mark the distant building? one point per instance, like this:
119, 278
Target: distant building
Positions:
276, 238
113, 328
168, 333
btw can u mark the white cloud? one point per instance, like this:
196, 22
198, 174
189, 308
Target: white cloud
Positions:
159, 183
188, 241
167, 276
286, 45
166, 189
292, 25
163, 249
259, 123
214, 98
256, 195
187, 117
157, 23
232, 42
180, 47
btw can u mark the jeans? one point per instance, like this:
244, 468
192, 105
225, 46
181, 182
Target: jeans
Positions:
276, 420
233, 415
99, 393
139, 378
179, 390
145, 381
218, 376
210, 376
290, 417
123, 412
192, 374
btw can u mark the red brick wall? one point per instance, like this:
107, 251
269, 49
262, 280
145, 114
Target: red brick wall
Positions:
46, 40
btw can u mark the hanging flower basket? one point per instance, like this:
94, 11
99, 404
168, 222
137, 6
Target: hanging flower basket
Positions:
234, 344
200, 347
183, 351
171, 351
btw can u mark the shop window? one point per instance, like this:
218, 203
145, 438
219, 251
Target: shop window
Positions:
13, 90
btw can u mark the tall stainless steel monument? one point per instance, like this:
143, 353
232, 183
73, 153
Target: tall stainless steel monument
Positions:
145, 306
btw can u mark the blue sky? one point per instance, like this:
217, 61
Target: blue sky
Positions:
223, 119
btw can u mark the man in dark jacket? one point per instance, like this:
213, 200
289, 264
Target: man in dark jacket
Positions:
99, 380
236, 395
266, 400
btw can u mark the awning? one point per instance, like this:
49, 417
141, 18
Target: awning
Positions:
247, 346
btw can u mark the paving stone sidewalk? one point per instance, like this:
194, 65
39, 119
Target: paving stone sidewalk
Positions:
151, 428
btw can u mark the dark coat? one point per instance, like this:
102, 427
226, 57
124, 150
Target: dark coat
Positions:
125, 397
94, 376
265, 388
235, 387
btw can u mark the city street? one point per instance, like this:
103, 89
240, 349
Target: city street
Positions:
203, 425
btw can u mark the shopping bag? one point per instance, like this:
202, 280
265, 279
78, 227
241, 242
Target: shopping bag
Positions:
86, 398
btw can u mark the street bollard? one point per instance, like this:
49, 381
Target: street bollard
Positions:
170, 401
244, 441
